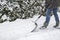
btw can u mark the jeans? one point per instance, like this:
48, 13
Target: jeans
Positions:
48, 12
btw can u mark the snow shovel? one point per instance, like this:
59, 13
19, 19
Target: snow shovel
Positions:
36, 23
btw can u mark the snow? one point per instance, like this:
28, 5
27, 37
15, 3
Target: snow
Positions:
49, 35
9, 30
21, 30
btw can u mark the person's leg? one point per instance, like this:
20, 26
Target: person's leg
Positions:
56, 17
48, 12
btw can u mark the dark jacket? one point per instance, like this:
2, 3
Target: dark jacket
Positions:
51, 3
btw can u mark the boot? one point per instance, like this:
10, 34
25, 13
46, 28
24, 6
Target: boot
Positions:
57, 24
44, 26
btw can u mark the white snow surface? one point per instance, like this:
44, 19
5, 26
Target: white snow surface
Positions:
21, 29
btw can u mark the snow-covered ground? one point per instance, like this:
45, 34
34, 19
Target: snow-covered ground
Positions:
20, 30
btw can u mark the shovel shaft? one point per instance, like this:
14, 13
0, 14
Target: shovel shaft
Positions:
38, 17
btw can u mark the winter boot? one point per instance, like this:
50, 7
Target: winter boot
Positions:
44, 26
57, 24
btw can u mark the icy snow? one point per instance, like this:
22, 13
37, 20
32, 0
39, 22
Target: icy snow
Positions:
20, 30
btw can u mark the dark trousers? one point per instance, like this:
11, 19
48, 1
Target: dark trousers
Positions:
48, 12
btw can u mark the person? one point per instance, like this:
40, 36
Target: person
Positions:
51, 5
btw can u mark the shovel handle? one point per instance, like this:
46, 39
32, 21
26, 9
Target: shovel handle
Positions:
38, 17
